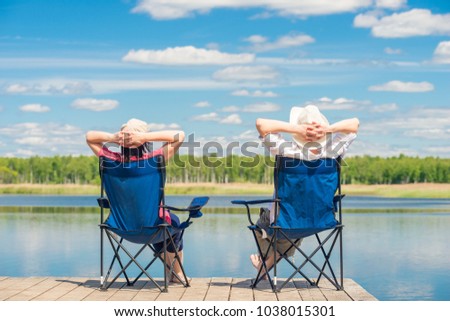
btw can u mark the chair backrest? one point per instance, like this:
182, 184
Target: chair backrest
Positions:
306, 190
135, 190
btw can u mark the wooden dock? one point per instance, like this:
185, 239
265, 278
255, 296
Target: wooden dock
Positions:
201, 289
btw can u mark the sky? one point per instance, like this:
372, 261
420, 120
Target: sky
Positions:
211, 67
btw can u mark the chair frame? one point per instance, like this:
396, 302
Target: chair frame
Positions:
335, 235
117, 243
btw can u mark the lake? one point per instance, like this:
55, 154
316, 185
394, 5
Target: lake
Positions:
400, 255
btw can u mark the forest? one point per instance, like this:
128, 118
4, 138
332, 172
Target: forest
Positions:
232, 169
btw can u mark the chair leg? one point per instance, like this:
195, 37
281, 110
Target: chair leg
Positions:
133, 259
259, 277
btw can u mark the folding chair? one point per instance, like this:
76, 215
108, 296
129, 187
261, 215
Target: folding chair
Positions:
307, 202
135, 199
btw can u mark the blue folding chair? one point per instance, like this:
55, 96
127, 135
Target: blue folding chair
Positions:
307, 202
135, 195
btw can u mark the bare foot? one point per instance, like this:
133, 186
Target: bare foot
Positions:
256, 262
174, 279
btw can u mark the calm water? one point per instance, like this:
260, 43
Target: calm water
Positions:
394, 256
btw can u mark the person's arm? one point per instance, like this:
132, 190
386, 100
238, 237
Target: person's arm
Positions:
345, 126
173, 139
96, 139
307, 132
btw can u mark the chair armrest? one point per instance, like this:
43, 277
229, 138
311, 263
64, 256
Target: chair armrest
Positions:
247, 203
194, 208
241, 202
103, 202
336, 199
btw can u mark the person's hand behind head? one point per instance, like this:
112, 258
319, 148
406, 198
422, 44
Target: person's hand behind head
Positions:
314, 131
131, 139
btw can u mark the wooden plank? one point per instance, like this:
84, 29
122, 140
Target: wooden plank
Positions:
174, 293
330, 292
35, 290
289, 292
241, 290
80, 292
263, 292
197, 291
308, 292
14, 286
201, 289
103, 295
64, 286
357, 292
127, 293
149, 292
219, 289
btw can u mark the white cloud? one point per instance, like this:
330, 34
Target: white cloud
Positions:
207, 117
202, 104
230, 109
36, 141
430, 133
366, 20
263, 107
260, 44
256, 93
50, 87
16, 89
442, 53
392, 51
95, 104
341, 103
231, 119
384, 108
159, 126
416, 22
35, 108
255, 39
419, 119
246, 73
175, 9
439, 150
390, 4
188, 55
400, 86
44, 138
215, 117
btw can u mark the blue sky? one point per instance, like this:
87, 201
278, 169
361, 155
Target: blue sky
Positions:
212, 67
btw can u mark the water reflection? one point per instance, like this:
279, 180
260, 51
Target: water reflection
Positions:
394, 256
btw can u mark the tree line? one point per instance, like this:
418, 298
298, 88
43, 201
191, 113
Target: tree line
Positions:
192, 169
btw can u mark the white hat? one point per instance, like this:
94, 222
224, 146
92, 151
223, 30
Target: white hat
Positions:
307, 115
135, 125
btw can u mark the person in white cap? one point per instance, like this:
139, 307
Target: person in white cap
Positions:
135, 141
312, 138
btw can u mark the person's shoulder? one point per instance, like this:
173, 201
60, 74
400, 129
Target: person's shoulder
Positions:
106, 152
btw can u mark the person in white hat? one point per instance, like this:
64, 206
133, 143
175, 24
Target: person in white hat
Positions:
312, 138
135, 141
312, 135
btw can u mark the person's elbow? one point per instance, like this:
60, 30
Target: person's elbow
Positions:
88, 136
355, 126
180, 136
260, 126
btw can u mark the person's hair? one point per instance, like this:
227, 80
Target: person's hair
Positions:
138, 152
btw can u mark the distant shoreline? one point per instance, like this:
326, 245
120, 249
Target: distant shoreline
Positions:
420, 190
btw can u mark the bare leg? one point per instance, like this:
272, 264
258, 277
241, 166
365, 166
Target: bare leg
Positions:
256, 262
176, 266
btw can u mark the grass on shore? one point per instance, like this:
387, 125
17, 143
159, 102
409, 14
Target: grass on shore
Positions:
423, 190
